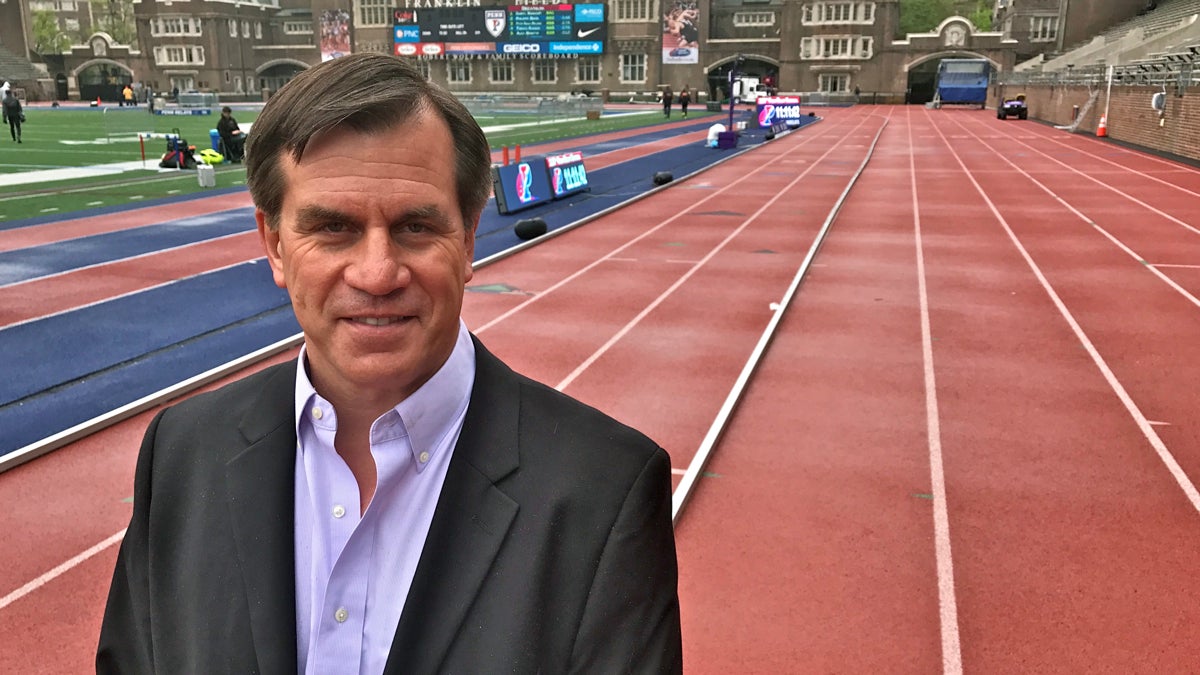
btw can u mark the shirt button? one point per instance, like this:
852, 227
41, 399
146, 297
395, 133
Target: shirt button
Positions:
424, 457
316, 413
341, 615
339, 511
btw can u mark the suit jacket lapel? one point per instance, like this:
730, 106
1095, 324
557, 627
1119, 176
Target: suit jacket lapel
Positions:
260, 480
470, 523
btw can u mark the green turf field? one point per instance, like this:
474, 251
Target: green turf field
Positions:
77, 138
82, 137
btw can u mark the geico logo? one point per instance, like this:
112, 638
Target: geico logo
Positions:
431, 49
521, 48
406, 49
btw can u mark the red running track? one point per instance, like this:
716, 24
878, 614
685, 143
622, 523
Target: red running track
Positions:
968, 446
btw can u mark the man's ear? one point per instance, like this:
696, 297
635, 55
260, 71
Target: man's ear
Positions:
272, 247
469, 245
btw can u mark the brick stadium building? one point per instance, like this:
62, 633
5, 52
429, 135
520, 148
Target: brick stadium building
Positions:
244, 50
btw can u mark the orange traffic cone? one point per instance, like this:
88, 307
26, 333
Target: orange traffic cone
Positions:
1102, 129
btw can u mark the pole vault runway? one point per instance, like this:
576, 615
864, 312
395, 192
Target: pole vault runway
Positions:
969, 446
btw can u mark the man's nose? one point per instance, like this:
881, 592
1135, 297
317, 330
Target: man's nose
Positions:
378, 267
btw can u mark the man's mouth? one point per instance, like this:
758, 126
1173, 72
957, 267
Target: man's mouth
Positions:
377, 320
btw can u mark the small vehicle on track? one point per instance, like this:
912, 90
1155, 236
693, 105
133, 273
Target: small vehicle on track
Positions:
1013, 107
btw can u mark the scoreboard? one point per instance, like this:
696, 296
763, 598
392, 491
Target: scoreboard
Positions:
551, 22
514, 30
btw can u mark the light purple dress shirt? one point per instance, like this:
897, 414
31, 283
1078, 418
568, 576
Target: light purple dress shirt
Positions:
353, 573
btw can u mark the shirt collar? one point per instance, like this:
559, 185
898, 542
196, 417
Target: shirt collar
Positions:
427, 415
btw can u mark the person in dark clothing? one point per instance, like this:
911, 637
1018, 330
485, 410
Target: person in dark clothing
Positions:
667, 98
13, 115
685, 97
689, 33
494, 524
233, 141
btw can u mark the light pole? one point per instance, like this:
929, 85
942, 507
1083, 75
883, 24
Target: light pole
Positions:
733, 78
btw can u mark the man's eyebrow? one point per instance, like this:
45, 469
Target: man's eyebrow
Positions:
428, 212
316, 213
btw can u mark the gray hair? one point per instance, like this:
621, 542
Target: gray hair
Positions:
367, 93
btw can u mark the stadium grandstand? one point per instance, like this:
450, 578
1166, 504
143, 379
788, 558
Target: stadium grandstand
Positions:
1136, 81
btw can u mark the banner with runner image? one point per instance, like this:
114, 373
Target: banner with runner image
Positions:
335, 33
681, 32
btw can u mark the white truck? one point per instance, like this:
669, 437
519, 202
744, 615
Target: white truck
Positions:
748, 89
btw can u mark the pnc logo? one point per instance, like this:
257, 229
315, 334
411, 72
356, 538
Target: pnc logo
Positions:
522, 48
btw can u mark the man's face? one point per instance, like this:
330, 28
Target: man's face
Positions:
373, 250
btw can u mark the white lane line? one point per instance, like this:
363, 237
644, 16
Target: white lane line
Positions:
947, 602
1082, 216
1190, 267
1172, 166
1130, 252
611, 254
1143, 424
682, 493
94, 303
59, 571
678, 472
620, 334
147, 254
1157, 423
1099, 182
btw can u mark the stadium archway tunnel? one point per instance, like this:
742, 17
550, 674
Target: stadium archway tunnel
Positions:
102, 78
274, 74
922, 73
764, 68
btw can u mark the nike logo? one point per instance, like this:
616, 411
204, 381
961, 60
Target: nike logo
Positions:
584, 33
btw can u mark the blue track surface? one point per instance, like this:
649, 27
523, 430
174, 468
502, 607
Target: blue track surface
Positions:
79, 343
83, 363
40, 261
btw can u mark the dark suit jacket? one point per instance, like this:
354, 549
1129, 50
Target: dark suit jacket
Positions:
551, 548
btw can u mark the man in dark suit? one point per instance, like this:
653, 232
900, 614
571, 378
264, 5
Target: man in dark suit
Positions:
396, 500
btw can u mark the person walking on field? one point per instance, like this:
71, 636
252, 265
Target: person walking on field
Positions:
13, 115
667, 98
685, 97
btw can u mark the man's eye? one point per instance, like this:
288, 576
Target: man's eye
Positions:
333, 227
415, 228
